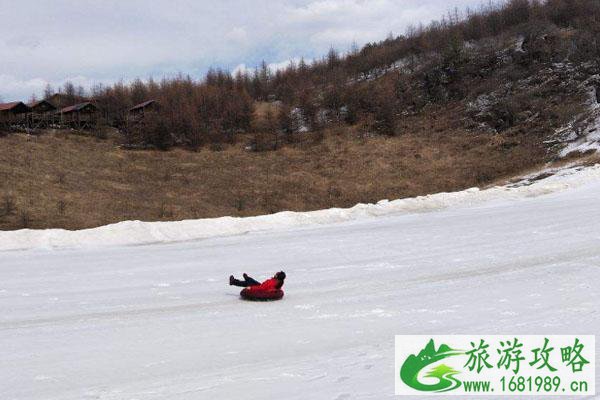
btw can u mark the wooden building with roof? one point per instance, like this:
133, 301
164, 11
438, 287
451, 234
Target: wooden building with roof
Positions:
14, 113
79, 116
42, 114
137, 112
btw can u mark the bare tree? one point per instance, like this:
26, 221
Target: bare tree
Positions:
69, 92
48, 91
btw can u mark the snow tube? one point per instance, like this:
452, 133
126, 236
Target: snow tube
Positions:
256, 294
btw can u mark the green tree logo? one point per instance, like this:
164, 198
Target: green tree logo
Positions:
409, 372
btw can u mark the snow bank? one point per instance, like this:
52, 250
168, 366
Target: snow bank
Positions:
140, 233
589, 140
583, 133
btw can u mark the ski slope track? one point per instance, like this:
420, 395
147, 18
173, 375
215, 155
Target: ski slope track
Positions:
143, 311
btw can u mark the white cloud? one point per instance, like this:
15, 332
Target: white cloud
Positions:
238, 35
328, 10
341, 35
24, 41
10, 84
243, 68
274, 67
35, 86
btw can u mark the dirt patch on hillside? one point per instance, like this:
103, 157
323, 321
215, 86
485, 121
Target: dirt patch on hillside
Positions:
61, 180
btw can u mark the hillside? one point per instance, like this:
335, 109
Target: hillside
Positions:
60, 180
464, 102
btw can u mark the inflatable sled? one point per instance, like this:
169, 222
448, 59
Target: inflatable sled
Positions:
256, 294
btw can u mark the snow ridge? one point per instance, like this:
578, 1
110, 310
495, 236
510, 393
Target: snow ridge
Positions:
583, 133
131, 233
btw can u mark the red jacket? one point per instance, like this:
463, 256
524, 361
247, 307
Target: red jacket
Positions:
268, 290
269, 284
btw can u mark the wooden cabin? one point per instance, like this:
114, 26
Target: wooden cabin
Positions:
13, 114
79, 116
42, 114
137, 112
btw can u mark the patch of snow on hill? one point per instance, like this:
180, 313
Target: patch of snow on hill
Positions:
583, 133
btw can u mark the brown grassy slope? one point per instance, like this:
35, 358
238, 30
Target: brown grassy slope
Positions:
60, 180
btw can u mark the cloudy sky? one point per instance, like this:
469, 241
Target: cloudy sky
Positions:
91, 42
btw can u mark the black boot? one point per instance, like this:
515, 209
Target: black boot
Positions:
231, 280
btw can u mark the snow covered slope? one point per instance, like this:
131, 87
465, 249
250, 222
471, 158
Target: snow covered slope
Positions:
158, 321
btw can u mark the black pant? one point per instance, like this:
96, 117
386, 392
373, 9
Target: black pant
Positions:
246, 282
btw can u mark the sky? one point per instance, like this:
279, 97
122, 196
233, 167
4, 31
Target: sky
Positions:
101, 42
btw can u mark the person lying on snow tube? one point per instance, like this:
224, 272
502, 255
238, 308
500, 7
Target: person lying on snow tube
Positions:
254, 290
